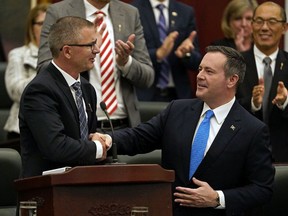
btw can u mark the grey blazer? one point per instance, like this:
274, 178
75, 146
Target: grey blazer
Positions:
140, 74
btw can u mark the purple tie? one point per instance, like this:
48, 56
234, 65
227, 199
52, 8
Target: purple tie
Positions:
163, 79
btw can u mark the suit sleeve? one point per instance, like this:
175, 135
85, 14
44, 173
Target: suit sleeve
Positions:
141, 72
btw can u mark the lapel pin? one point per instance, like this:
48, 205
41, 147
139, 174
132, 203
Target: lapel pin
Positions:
232, 127
119, 27
174, 14
281, 66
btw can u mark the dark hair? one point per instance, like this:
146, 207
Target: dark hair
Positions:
235, 63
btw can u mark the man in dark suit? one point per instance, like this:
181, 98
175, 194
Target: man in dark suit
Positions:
180, 48
51, 133
269, 24
236, 173
131, 63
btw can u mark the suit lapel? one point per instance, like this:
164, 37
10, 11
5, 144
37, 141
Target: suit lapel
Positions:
228, 130
148, 20
173, 17
280, 74
87, 99
62, 84
189, 123
118, 21
76, 8
252, 73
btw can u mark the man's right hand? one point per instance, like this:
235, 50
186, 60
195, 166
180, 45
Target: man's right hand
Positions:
105, 140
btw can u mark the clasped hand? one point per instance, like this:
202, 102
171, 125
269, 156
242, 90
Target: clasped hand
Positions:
201, 197
104, 139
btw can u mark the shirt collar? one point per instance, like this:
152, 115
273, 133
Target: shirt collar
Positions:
69, 79
220, 112
260, 55
90, 9
154, 3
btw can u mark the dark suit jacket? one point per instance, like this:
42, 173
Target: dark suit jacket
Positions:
49, 124
140, 74
181, 19
238, 161
278, 119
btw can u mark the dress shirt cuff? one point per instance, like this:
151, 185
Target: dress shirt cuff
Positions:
221, 200
254, 108
126, 67
99, 149
282, 107
109, 137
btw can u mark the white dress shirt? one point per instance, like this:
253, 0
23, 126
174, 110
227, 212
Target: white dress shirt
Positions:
95, 73
216, 122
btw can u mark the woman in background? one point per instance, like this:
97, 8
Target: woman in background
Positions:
21, 68
236, 25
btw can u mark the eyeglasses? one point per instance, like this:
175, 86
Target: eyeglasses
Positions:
259, 22
92, 45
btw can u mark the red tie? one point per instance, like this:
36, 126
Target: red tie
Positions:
107, 70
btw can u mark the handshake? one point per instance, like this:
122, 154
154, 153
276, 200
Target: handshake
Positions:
103, 140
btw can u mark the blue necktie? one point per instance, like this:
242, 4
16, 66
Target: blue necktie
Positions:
82, 116
267, 85
163, 79
200, 142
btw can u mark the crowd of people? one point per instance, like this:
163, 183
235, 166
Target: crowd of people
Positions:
109, 51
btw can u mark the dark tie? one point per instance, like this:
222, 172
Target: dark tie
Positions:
107, 70
200, 142
163, 79
82, 116
267, 85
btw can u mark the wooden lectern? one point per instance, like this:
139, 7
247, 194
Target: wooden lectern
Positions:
108, 190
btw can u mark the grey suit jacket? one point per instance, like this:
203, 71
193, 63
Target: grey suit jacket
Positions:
140, 74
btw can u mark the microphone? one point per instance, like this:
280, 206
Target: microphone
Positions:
114, 146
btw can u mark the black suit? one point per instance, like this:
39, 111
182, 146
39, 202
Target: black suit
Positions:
49, 124
278, 119
238, 161
181, 19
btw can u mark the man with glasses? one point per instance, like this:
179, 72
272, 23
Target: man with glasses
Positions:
57, 110
264, 90
130, 65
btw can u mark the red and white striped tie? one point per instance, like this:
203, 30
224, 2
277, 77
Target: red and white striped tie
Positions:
107, 70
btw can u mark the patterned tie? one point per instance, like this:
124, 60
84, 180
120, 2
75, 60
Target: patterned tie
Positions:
200, 142
107, 70
163, 79
82, 117
267, 85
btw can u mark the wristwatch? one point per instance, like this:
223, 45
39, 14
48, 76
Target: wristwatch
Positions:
218, 201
